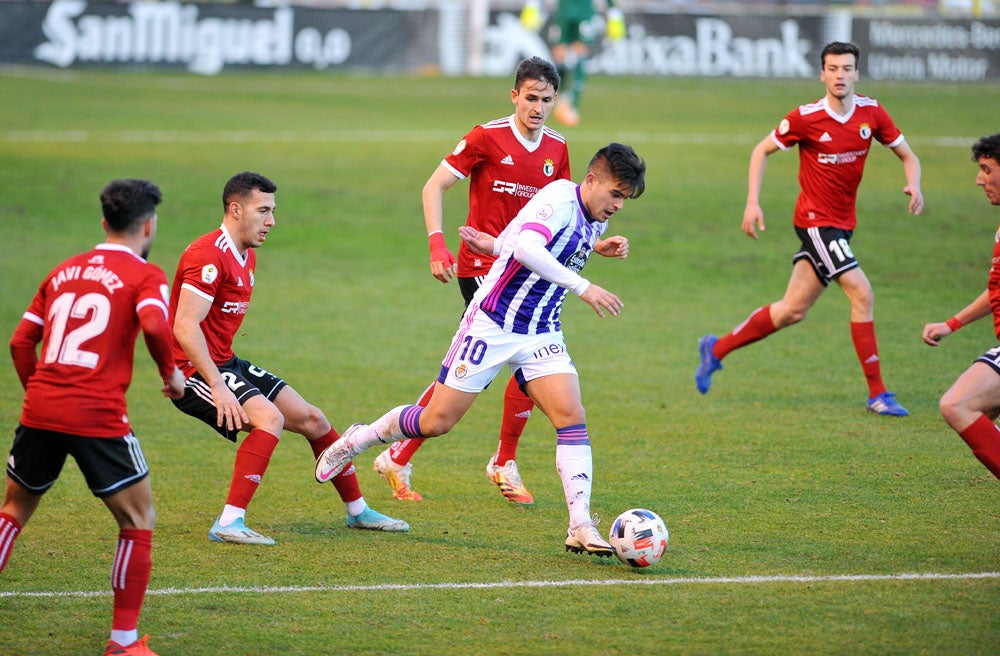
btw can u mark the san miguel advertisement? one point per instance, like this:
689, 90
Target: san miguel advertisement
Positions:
209, 38
205, 38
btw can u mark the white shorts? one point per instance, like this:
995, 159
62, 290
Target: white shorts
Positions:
481, 348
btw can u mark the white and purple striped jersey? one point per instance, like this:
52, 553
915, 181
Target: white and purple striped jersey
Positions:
514, 296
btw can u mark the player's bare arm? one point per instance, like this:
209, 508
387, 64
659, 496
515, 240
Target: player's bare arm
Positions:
616, 246
977, 309
443, 264
753, 214
911, 167
191, 311
156, 333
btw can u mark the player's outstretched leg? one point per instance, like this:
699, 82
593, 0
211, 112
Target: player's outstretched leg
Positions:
708, 364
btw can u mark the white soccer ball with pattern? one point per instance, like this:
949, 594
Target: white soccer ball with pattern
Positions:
639, 537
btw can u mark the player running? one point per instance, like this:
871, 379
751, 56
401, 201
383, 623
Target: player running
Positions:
513, 320
506, 161
834, 135
210, 296
87, 315
972, 404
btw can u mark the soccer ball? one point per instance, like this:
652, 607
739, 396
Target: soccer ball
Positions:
639, 537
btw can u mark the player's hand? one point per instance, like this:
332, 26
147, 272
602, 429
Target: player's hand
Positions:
616, 24
934, 332
916, 199
173, 387
230, 413
443, 265
601, 299
616, 246
753, 220
477, 240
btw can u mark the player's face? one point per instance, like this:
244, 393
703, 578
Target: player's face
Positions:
989, 179
606, 195
533, 103
255, 218
839, 74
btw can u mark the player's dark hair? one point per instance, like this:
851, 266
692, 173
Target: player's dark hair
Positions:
127, 203
840, 48
987, 147
536, 68
243, 184
624, 164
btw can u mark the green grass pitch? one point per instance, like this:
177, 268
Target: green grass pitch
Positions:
799, 522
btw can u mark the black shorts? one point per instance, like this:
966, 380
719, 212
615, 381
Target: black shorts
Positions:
468, 287
992, 358
828, 250
109, 464
243, 378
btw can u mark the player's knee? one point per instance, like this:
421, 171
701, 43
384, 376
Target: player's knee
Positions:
953, 410
270, 419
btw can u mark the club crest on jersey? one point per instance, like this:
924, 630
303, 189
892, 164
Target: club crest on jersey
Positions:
549, 168
209, 273
578, 260
459, 148
251, 277
865, 131
545, 212
784, 126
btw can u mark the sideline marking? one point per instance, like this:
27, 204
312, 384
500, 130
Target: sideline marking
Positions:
849, 578
377, 136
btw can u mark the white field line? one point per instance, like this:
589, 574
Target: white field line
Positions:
736, 580
379, 136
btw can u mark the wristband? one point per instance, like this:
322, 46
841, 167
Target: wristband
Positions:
954, 323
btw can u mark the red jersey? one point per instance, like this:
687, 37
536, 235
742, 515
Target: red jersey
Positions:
505, 171
994, 284
832, 153
213, 268
86, 315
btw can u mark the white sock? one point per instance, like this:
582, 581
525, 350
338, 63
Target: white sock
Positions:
576, 470
229, 515
124, 638
383, 430
357, 506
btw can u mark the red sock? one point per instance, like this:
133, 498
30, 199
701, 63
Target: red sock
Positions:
9, 530
756, 327
346, 481
983, 437
401, 452
517, 408
251, 462
130, 576
866, 346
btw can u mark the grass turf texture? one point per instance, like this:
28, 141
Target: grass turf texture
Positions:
778, 472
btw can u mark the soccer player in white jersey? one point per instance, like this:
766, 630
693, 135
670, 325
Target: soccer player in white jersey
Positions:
513, 320
506, 161
834, 135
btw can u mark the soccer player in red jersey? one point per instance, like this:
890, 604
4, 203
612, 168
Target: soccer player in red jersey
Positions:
972, 404
209, 298
506, 161
834, 135
87, 314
